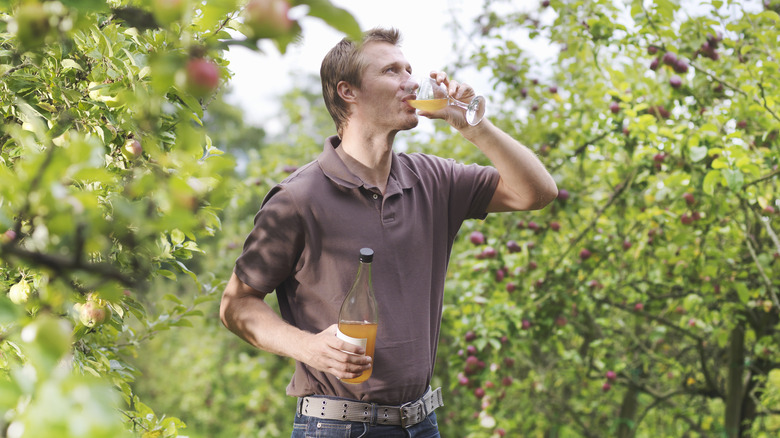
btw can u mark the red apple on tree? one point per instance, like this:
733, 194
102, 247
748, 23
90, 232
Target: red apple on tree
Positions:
132, 149
477, 238
268, 18
513, 246
669, 58
680, 66
202, 77
8, 236
94, 313
489, 253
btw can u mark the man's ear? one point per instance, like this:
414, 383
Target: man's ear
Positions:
346, 92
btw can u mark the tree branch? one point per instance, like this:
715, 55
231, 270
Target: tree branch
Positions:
615, 195
62, 264
736, 89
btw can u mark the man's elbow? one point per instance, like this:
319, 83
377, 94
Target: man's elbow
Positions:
224, 309
545, 196
538, 199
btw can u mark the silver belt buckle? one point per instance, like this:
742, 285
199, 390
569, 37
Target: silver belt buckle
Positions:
418, 406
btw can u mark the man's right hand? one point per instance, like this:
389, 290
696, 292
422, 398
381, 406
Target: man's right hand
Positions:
246, 314
327, 353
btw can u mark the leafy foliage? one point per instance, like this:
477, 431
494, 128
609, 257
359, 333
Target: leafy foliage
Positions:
647, 291
110, 183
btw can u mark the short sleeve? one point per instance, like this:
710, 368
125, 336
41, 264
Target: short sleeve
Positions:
471, 189
272, 249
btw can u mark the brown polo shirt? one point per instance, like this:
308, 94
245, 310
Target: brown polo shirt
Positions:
305, 246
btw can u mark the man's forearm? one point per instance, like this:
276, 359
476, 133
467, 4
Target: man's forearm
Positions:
253, 320
524, 179
245, 313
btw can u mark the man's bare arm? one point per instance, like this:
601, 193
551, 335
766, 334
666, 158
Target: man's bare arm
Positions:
524, 182
244, 312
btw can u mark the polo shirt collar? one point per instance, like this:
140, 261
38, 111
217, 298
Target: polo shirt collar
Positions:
401, 175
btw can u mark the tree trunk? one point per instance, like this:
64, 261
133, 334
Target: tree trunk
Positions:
628, 408
734, 382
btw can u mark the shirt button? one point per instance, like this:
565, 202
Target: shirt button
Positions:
376, 196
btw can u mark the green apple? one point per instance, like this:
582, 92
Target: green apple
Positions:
20, 292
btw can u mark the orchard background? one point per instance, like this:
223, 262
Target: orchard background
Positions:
642, 303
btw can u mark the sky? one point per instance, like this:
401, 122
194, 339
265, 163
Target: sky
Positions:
260, 78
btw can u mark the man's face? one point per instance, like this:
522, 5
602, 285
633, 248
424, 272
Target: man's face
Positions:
381, 97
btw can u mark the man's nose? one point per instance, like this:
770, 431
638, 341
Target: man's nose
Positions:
411, 85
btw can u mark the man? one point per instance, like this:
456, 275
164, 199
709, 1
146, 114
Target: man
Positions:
407, 208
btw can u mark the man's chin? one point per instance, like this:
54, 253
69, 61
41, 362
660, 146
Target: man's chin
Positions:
412, 123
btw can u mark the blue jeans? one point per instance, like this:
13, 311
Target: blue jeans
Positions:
313, 427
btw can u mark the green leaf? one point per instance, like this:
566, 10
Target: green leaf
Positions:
172, 297
734, 179
70, 64
711, 181
167, 274
177, 237
772, 15
336, 17
698, 153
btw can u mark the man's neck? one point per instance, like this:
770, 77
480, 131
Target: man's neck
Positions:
368, 157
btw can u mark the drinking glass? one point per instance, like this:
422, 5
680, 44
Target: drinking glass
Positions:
431, 97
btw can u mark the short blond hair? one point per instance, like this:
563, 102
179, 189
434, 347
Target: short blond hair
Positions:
344, 62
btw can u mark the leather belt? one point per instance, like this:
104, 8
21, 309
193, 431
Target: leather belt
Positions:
405, 415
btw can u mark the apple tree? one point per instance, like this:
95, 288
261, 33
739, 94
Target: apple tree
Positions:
109, 184
219, 385
644, 300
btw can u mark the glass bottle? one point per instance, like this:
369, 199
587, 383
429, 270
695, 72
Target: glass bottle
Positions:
358, 314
